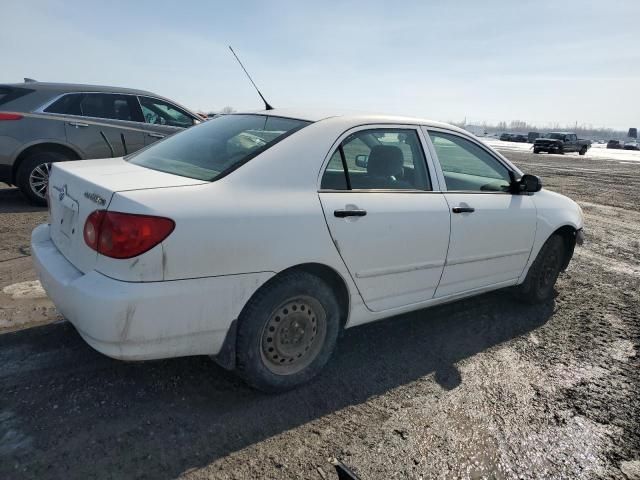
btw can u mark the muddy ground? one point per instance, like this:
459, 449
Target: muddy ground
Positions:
484, 388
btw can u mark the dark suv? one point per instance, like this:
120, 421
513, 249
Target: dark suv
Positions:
42, 123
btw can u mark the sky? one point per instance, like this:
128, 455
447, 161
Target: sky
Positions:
546, 62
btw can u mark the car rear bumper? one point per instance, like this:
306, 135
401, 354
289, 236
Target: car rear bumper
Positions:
143, 320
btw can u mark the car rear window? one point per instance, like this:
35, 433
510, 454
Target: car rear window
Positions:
216, 147
67, 104
8, 94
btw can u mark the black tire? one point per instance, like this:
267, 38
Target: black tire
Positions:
543, 274
536, 151
271, 358
583, 150
36, 163
560, 151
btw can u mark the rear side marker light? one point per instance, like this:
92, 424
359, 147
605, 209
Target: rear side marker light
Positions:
10, 116
125, 235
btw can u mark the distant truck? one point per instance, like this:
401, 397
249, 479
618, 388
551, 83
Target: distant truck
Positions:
533, 136
561, 142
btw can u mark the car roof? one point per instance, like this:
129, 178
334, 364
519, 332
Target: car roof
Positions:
77, 87
315, 115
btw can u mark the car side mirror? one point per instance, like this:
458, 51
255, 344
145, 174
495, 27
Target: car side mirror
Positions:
529, 183
362, 161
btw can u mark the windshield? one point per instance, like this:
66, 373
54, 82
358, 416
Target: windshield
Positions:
555, 136
214, 148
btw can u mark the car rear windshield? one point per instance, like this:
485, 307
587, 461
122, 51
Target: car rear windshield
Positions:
216, 147
555, 136
8, 94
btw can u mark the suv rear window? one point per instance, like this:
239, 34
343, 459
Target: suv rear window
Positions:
67, 104
8, 94
216, 147
97, 105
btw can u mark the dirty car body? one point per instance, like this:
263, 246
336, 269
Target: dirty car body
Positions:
390, 214
42, 123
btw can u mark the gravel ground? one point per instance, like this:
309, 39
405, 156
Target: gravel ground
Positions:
484, 388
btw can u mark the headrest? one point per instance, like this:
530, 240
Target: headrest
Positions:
385, 161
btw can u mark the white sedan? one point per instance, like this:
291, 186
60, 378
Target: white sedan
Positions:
256, 238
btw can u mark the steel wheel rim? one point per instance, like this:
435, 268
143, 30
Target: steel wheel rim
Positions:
294, 335
39, 180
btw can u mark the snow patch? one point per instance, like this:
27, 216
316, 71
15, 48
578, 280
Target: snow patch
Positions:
23, 290
596, 152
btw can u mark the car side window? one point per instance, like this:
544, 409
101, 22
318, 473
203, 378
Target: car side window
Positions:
108, 105
468, 167
380, 158
159, 112
68, 104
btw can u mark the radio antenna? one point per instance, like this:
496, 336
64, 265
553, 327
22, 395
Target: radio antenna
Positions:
266, 104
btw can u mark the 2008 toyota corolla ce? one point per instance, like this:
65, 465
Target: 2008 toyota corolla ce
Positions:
256, 238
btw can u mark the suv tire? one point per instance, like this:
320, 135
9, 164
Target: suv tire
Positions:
33, 175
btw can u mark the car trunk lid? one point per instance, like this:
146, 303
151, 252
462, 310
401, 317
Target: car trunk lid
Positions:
78, 188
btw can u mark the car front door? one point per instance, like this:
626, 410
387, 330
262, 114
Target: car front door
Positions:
492, 230
163, 119
103, 125
389, 224
573, 138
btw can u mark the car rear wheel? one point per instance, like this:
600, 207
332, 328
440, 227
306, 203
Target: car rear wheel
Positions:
543, 273
287, 332
583, 150
536, 150
33, 175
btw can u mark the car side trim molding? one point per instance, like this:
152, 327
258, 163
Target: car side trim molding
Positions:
376, 272
480, 258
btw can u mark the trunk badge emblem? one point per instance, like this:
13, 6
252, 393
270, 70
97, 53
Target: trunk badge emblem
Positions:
62, 191
95, 198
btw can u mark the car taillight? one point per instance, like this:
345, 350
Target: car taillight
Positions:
10, 116
125, 235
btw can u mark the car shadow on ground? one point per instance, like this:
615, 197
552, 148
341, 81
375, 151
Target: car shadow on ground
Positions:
69, 412
12, 201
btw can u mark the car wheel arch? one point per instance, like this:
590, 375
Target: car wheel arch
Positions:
328, 274
41, 148
226, 357
568, 234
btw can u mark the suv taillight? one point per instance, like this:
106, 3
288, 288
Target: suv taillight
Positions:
10, 116
125, 235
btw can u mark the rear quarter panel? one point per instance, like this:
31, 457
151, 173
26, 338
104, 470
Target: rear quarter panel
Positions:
225, 230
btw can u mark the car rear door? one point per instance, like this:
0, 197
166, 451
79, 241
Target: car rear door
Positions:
103, 125
492, 230
385, 214
163, 118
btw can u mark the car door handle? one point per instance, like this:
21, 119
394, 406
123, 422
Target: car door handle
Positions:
78, 124
463, 209
349, 213
156, 135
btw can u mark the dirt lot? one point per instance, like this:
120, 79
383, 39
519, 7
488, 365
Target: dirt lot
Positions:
485, 388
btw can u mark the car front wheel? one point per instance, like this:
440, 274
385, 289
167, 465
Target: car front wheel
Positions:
543, 273
287, 332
